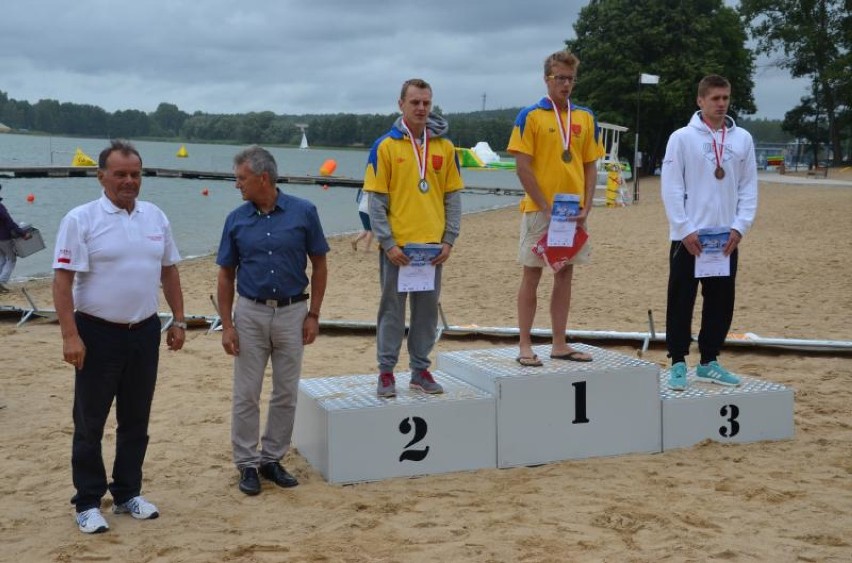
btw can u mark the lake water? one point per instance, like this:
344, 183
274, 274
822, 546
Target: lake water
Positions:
196, 219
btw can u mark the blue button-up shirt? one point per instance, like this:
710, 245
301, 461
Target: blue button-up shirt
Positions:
270, 251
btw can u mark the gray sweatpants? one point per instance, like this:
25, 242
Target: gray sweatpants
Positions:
7, 260
265, 332
391, 320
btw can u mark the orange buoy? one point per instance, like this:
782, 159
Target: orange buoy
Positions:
30, 198
205, 191
328, 167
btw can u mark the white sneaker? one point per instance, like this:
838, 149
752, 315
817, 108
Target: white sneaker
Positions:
91, 521
137, 507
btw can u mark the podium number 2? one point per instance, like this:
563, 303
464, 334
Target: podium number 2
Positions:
419, 428
733, 428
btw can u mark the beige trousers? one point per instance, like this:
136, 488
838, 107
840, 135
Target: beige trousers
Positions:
265, 332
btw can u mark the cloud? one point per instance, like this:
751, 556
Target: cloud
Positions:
776, 92
288, 56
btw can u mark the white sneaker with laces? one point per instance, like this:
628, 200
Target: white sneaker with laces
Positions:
137, 507
91, 521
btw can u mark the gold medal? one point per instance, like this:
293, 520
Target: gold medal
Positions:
564, 129
719, 173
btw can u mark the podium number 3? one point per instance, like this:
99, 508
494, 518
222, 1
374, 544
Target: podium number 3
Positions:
419, 428
733, 428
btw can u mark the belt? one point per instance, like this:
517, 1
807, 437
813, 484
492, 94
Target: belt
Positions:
280, 302
123, 326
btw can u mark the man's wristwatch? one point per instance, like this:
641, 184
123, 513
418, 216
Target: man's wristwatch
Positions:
180, 324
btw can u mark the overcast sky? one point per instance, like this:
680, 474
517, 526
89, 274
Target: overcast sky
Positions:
294, 56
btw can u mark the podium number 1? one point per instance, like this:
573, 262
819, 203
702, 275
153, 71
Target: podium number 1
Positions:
419, 429
579, 403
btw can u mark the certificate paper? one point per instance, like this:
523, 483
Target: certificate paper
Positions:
712, 262
419, 274
562, 230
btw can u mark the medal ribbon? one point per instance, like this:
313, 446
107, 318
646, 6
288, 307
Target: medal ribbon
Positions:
564, 132
422, 158
718, 150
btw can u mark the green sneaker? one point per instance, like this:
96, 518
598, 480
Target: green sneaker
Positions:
714, 373
677, 377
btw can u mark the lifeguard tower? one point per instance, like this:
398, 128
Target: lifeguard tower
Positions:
611, 169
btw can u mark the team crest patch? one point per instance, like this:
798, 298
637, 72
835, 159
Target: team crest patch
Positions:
437, 161
576, 128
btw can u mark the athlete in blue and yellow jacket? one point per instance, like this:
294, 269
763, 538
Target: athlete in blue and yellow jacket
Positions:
415, 187
556, 145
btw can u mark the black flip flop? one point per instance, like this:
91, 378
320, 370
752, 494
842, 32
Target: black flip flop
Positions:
529, 362
570, 356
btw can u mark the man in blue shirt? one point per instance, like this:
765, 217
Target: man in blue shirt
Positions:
265, 247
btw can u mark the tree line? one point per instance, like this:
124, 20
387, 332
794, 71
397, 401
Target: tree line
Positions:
616, 41
170, 122
339, 130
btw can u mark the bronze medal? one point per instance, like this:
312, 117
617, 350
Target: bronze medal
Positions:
566, 156
424, 186
718, 149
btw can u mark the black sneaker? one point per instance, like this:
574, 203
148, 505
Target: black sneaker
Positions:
249, 481
277, 474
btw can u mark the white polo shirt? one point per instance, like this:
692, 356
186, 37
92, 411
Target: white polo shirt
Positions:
118, 258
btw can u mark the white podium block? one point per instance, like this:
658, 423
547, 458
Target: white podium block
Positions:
349, 434
755, 410
563, 409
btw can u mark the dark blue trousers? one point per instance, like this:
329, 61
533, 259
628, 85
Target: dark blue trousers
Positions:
120, 364
717, 310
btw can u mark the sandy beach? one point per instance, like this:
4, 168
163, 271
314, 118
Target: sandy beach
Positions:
770, 501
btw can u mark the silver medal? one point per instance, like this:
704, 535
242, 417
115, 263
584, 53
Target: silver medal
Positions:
424, 186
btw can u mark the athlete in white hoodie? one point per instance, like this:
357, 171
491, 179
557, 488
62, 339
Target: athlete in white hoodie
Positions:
709, 180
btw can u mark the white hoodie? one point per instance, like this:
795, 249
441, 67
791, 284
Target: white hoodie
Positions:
693, 197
